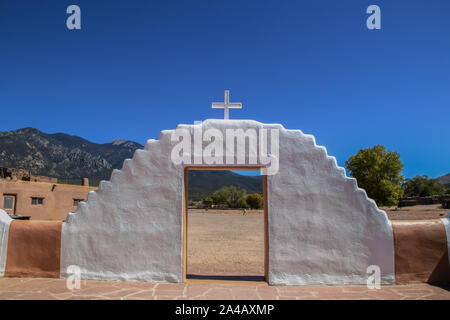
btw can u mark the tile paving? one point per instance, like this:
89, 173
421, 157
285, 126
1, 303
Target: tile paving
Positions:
56, 289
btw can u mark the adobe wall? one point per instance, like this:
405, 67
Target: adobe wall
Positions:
421, 251
58, 198
24, 175
34, 249
322, 228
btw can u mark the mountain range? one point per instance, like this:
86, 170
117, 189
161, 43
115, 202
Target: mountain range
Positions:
445, 180
70, 158
202, 183
61, 155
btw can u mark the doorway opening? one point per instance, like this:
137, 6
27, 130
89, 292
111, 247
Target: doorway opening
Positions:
225, 224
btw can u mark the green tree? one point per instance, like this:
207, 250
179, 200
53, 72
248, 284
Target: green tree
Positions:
422, 186
378, 172
207, 202
255, 201
228, 195
242, 202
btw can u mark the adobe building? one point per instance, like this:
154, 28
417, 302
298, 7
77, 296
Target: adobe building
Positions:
39, 197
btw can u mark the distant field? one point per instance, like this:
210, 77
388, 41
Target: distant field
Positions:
225, 242
227, 211
420, 212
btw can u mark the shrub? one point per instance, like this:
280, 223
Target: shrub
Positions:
255, 201
228, 196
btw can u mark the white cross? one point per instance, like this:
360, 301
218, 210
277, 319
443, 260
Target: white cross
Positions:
226, 105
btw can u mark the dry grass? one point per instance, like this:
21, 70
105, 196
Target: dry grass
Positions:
225, 242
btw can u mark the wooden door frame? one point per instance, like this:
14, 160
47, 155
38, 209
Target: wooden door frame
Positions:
185, 217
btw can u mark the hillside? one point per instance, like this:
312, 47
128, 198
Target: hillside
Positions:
61, 155
445, 180
70, 158
203, 183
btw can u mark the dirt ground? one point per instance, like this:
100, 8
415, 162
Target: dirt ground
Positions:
225, 242
420, 212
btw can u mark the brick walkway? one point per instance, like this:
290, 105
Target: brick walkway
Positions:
34, 288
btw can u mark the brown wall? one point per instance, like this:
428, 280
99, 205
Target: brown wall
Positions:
421, 253
58, 198
34, 249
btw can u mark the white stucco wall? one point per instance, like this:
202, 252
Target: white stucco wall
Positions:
322, 228
5, 222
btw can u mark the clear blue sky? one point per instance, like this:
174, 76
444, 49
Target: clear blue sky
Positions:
139, 67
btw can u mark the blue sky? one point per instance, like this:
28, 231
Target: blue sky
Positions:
139, 67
